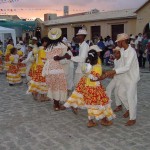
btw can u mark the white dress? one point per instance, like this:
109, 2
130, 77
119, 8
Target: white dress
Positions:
54, 73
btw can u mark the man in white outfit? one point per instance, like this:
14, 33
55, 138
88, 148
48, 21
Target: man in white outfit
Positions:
83, 52
28, 61
120, 94
132, 75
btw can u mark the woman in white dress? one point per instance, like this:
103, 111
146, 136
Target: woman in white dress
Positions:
53, 69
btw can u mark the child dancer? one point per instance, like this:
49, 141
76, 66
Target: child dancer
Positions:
7, 54
33, 58
1, 62
13, 74
90, 94
38, 84
28, 61
115, 83
21, 65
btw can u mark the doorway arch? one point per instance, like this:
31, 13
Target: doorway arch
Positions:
147, 28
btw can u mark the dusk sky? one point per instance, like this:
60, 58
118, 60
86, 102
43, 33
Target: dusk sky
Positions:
56, 6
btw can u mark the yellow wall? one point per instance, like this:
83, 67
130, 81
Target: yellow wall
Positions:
129, 27
143, 17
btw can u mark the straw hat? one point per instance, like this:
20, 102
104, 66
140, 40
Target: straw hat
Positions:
30, 45
96, 48
82, 32
132, 37
54, 33
117, 48
20, 42
18, 46
122, 37
34, 38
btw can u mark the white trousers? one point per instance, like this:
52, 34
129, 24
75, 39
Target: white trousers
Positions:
69, 77
77, 78
119, 92
27, 72
131, 92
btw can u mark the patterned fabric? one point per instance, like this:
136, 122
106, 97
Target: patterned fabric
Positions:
38, 84
13, 74
55, 76
1, 65
32, 69
6, 62
91, 96
22, 68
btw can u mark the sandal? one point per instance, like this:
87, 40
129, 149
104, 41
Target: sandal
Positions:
62, 107
106, 122
130, 123
126, 115
118, 108
74, 110
91, 124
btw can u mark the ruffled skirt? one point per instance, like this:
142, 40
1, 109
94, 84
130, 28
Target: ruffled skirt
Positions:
94, 99
13, 74
22, 69
38, 83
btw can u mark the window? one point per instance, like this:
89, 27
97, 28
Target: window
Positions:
116, 29
95, 33
64, 32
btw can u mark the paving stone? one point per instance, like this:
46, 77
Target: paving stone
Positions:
29, 125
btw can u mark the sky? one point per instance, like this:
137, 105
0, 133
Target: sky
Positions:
32, 9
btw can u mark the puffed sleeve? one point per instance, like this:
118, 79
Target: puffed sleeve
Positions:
11, 58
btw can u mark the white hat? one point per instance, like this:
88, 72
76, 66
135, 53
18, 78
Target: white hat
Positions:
41, 47
30, 45
122, 37
18, 46
20, 42
82, 32
34, 38
132, 37
96, 48
54, 33
35, 51
117, 48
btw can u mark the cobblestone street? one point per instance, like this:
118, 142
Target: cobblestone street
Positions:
29, 125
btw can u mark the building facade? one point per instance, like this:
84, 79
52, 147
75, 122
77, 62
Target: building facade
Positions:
132, 21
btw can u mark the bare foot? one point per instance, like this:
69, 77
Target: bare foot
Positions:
130, 122
126, 115
118, 108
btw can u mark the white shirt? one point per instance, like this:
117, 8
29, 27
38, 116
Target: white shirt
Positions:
83, 53
118, 64
23, 49
28, 61
136, 43
131, 65
139, 38
109, 43
16, 58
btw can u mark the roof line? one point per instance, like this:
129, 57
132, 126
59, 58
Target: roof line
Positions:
130, 17
142, 6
